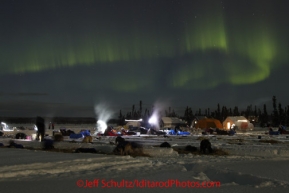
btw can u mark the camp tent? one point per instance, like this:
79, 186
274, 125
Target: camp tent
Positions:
132, 123
238, 122
171, 122
196, 119
206, 123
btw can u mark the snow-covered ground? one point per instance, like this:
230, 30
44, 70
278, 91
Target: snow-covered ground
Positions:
253, 165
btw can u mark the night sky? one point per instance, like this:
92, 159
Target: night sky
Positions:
65, 57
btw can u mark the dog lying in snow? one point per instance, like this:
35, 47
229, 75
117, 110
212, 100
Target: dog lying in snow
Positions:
165, 144
123, 147
20, 136
13, 144
87, 139
205, 145
58, 137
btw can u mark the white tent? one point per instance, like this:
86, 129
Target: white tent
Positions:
133, 124
171, 122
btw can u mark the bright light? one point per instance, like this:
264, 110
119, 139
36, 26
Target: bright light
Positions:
35, 128
157, 109
242, 121
5, 127
228, 125
101, 126
153, 120
133, 120
103, 113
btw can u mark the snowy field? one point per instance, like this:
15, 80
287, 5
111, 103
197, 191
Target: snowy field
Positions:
255, 162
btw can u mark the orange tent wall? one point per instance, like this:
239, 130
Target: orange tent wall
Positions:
207, 123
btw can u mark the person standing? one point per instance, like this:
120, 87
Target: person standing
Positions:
40, 128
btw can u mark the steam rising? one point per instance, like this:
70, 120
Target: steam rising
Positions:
158, 110
103, 114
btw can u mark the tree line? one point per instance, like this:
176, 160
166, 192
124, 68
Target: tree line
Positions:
258, 116
261, 117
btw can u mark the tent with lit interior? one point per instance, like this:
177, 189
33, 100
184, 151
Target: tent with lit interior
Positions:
206, 123
237, 122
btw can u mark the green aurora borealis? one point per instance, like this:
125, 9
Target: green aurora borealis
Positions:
174, 45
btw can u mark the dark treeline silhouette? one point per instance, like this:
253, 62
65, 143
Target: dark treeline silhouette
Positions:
257, 116
134, 114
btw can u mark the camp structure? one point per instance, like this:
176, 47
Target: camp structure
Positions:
171, 122
237, 122
206, 123
133, 123
196, 119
